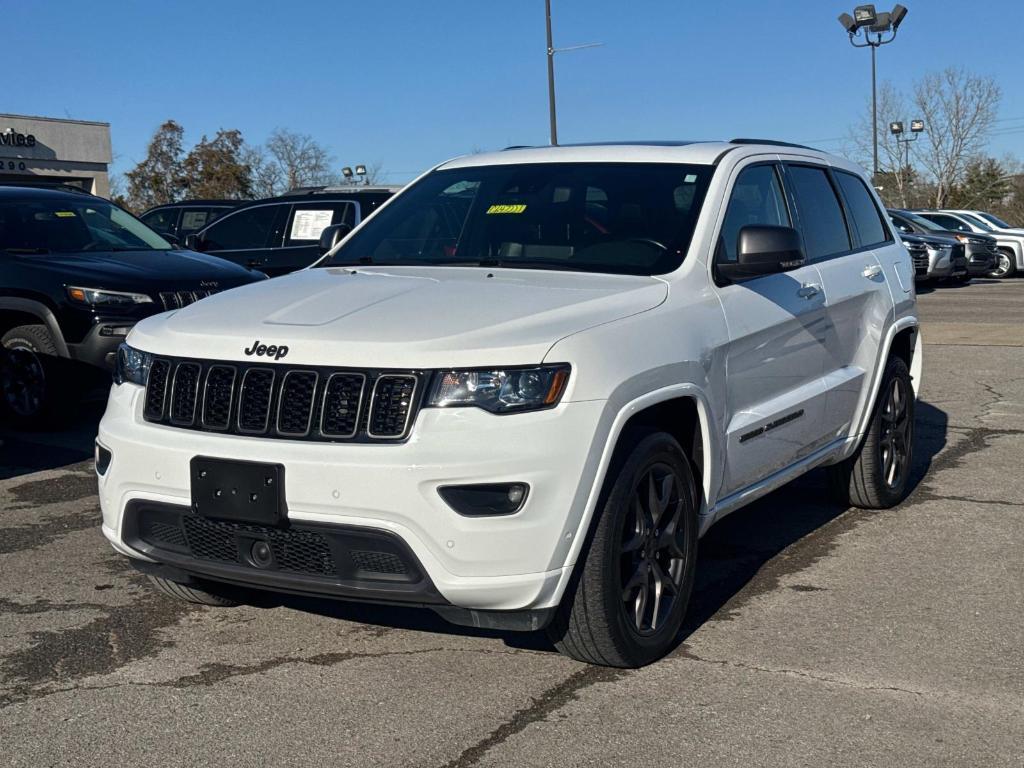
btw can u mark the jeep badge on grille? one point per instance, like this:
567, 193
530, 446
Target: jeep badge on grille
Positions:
266, 350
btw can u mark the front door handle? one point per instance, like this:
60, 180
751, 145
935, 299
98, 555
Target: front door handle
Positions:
872, 271
808, 290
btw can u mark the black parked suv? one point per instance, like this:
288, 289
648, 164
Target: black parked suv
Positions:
182, 219
981, 250
281, 234
76, 273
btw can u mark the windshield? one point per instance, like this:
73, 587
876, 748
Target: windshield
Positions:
977, 222
73, 226
994, 220
618, 218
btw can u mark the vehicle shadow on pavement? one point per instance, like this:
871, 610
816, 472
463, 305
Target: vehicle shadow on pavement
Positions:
739, 557
23, 452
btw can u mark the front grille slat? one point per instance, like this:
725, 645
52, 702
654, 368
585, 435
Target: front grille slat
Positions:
282, 401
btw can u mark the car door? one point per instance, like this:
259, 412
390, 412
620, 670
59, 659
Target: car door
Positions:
305, 223
775, 396
856, 279
246, 235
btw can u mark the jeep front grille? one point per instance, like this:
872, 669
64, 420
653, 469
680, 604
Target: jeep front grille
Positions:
288, 402
179, 299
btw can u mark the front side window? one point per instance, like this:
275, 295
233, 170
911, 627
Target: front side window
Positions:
756, 198
994, 220
163, 220
861, 206
194, 219
902, 226
245, 229
950, 223
73, 226
977, 221
821, 218
594, 217
310, 219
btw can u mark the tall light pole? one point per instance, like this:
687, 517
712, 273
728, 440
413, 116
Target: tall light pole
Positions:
551, 70
896, 129
873, 25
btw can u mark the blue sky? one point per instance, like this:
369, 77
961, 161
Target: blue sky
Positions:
409, 83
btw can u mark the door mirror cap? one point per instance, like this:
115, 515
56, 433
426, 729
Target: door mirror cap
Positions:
333, 235
192, 241
764, 250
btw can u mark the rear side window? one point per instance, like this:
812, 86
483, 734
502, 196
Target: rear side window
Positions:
862, 209
821, 218
756, 199
249, 228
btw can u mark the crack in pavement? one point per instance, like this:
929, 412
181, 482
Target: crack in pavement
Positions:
549, 701
685, 653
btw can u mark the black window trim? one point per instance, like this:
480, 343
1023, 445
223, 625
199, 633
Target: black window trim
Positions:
776, 166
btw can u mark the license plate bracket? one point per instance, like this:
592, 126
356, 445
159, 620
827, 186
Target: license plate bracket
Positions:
243, 491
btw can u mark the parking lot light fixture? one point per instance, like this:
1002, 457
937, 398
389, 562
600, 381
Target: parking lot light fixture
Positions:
896, 128
346, 172
868, 28
916, 126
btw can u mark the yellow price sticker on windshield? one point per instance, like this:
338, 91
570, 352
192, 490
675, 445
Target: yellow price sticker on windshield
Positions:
64, 214
506, 209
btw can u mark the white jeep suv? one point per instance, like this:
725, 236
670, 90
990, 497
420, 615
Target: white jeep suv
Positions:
521, 390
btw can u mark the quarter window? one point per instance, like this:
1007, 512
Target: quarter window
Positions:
756, 199
861, 207
249, 228
821, 218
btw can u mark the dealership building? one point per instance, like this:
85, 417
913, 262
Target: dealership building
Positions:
50, 149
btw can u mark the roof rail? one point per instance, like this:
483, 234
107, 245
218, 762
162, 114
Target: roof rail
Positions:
55, 185
772, 142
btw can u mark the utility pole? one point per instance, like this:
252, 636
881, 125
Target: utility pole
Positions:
551, 77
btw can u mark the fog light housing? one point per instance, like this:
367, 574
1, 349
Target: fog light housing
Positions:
103, 458
485, 499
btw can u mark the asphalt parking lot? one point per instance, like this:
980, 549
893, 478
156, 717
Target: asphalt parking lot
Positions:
818, 635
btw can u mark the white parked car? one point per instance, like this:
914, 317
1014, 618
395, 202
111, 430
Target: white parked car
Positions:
521, 391
1009, 241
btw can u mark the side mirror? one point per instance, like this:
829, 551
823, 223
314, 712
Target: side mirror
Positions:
764, 250
192, 242
333, 235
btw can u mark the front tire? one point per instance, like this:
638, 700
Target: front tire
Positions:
28, 384
877, 476
1005, 265
191, 594
628, 598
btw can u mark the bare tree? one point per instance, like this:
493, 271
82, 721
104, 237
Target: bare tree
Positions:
301, 160
893, 167
959, 109
267, 177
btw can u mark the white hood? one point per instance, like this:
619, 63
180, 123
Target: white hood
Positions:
400, 317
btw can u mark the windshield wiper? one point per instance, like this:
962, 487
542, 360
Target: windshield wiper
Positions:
27, 250
525, 264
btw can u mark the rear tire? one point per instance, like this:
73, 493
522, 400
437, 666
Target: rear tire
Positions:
191, 594
628, 597
877, 475
30, 390
1005, 265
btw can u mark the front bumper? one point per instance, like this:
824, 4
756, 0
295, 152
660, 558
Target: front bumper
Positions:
507, 563
940, 263
99, 347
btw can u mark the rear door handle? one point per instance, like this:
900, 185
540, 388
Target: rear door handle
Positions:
808, 290
871, 271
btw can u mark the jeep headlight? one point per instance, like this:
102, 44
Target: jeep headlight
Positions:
501, 390
132, 365
96, 297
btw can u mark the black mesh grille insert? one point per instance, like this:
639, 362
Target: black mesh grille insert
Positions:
165, 533
184, 389
295, 409
343, 398
282, 401
156, 389
254, 402
392, 405
295, 551
218, 396
377, 562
